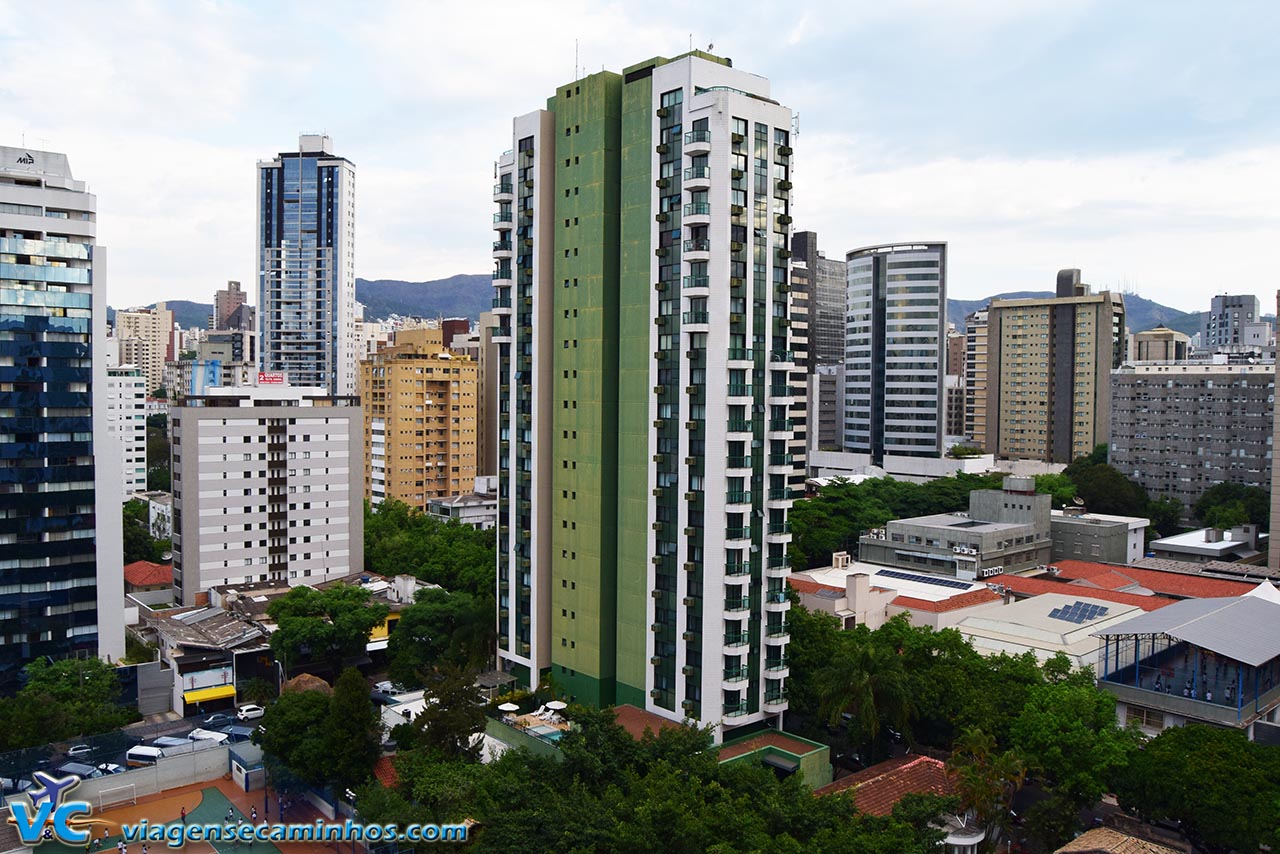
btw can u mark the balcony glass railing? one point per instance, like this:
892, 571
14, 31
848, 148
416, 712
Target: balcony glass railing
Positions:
700, 244
502, 302
779, 527
697, 136
697, 281
695, 172
735, 674
499, 189
737, 603
737, 497
738, 462
775, 664
502, 246
779, 563
502, 216
775, 697
739, 425
736, 638
739, 390
782, 356
777, 630
781, 424
779, 391
737, 533
737, 569
697, 209
695, 317
740, 353
733, 710
776, 597
502, 274
783, 494
780, 459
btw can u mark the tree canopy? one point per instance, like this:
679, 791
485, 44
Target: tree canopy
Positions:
400, 539
441, 628
1226, 505
62, 700
327, 625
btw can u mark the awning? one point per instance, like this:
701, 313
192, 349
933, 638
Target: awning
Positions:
780, 763
373, 646
200, 695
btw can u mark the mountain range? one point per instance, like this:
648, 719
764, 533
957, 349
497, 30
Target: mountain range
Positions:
467, 295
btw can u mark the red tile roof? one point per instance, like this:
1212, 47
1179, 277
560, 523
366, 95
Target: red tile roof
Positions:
144, 573
766, 739
1035, 586
963, 600
877, 789
384, 771
808, 585
636, 720
1176, 584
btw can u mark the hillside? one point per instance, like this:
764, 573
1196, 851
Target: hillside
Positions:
186, 314
457, 296
1142, 313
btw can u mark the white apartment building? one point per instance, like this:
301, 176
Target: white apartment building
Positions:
267, 486
146, 337
127, 423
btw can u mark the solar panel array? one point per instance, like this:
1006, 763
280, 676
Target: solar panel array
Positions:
925, 579
1078, 612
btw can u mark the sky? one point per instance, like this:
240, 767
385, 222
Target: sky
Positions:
1138, 141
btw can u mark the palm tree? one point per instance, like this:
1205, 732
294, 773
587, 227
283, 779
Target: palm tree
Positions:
985, 780
867, 680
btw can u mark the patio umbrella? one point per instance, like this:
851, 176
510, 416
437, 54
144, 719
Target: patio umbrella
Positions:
508, 707
557, 705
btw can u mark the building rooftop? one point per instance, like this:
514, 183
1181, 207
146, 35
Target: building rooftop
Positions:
636, 720
1106, 840
144, 573
1242, 628
912, 583
1133, 522
1176, 585
793, 745
1210, 568
466, 499
876, 790
1196, 542
1023, 585
1046, 624
205, 628
961, 520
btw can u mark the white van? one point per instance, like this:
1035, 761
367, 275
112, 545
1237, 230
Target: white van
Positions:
140, 756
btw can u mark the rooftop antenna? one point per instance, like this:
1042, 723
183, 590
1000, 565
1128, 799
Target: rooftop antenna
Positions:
575, 59
690, 41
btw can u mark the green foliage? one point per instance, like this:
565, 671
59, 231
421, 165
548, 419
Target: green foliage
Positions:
1059, 486
450, 720
327, 625
293, 737
137, 651
136, 528
867, 681
65, 699
441, 628
666, 792
354, 731
1165, 515
985, 778
1223, 788
1105, 490
1068, 732
963, 452
158, 473
258, 690
399, 539
1236, 504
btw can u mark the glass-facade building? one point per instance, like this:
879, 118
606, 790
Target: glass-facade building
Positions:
61, 586
306, 266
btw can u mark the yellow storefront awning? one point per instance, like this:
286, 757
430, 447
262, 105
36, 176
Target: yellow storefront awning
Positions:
215, 693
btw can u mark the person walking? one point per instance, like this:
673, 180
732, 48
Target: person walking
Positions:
253, 814
183, 814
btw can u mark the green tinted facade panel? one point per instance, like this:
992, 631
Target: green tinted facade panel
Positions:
634, 356
584, 392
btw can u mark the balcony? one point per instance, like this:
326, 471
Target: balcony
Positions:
739, 390
503, 248
740, 354
502, 190
692, 282
777, 668
737, 462
736, 674
736, 639
697, 214
737, 569
698, 249
783, 495
735, 710
739, 533
778, 632
697, 178
781, 425
504, 273
737, 603
697, 142
779, 527
775, 701
780, 391
502, 220
779, 357
502, 302
781, 459
695, 317
737, 497
777, 567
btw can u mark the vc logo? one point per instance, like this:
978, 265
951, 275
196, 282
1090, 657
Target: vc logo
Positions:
50, 816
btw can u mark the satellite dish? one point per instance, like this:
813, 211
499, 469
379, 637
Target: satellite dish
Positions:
1078, 500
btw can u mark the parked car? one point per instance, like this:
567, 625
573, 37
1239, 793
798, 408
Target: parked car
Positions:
13, 785
219, 719
250, 712
79, 750
78, 769
109, 768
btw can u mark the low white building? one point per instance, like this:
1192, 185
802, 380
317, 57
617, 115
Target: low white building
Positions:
127, 422
159, 512
831, 464
1045, 625
1206, 544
